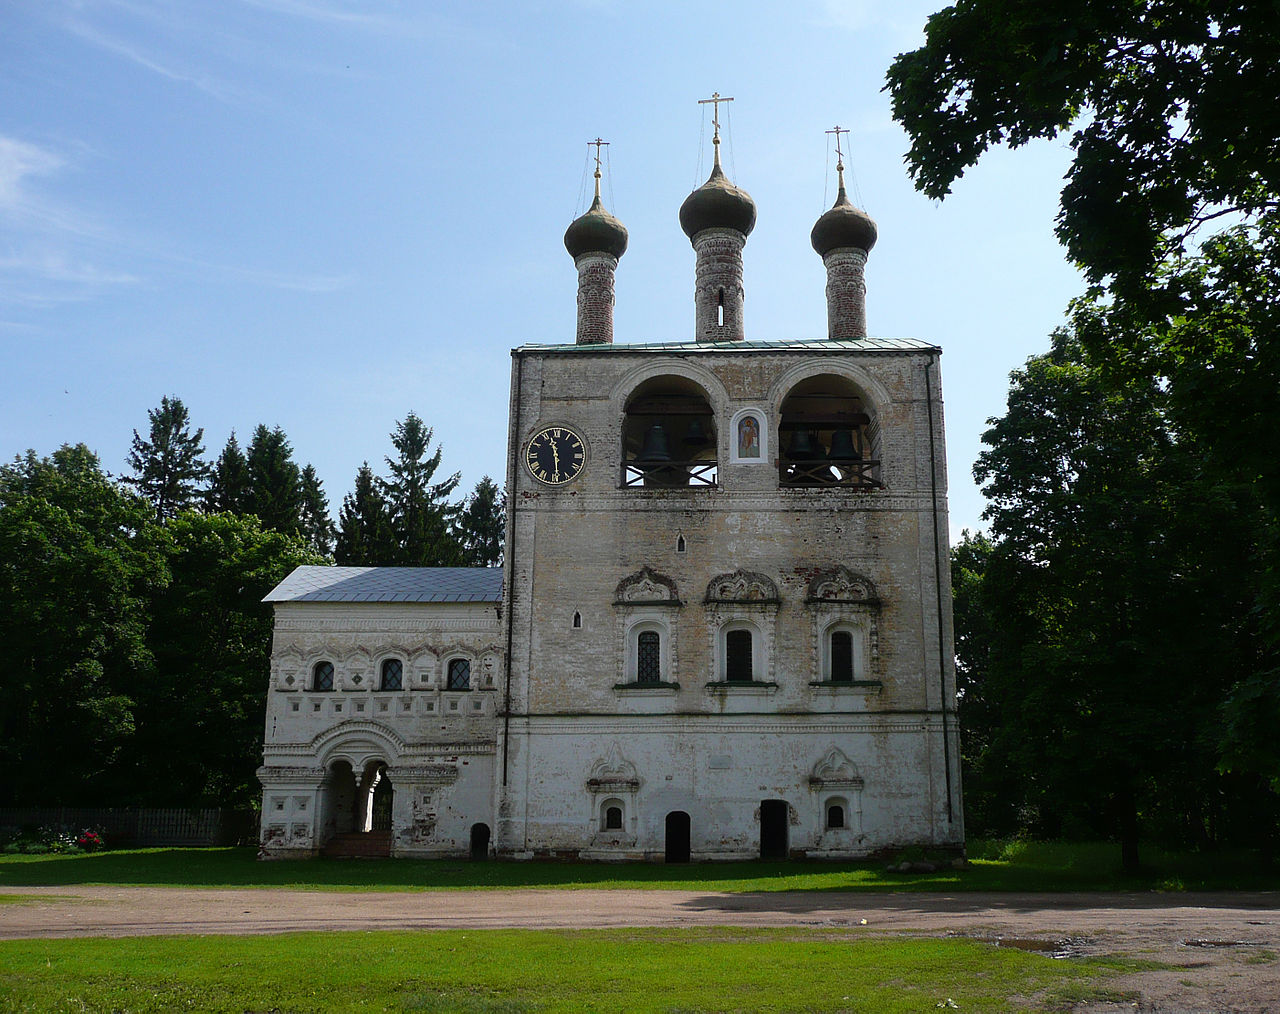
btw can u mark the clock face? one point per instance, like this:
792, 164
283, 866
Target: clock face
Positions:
555, 455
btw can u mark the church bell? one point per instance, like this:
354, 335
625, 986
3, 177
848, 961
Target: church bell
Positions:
655, 446
843, 448
696, 434
805, 446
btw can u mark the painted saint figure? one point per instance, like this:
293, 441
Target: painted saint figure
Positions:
748, 437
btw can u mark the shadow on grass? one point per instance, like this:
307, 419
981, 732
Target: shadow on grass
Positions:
1019, 866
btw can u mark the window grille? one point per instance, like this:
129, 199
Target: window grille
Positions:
393, 674
613, 818
648, 657
737, 667
322, 676
460, 674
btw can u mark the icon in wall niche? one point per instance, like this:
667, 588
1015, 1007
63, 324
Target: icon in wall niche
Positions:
749, 437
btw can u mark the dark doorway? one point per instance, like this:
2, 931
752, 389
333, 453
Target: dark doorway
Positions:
479, 842
773, 829
677, 837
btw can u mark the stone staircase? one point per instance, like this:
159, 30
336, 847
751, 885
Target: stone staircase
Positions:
358, 845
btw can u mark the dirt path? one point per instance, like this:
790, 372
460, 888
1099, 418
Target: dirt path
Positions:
1224, 949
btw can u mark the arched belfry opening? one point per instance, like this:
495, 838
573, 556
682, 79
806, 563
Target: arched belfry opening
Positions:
828, 436
669, 435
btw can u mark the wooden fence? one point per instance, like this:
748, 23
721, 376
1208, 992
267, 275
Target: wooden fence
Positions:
124, 827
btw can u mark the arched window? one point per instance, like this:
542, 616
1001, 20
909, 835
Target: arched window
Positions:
835, 817
459, 674
613, 817
737, 656
841, 656
827, 436
649, 657
577, 621
669, 435
392, 675
322, 677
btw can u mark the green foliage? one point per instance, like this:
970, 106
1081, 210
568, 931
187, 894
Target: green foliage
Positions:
275, 481
199, 737
169, 468
364, 536
517, 971
421, 516
83, 558
1171, 104
230, 485
317, 528
482, 525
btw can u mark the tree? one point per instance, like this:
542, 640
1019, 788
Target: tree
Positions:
82, 558
230, 486
482, 525
168, 467
1171, 104
364, 525
199, 715
1101, 633
421, 516
317, 527
275, 482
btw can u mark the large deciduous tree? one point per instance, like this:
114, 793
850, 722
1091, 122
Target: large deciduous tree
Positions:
82, 560
168, 466
1170, 104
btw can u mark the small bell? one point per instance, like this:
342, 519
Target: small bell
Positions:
843, 447
655, 446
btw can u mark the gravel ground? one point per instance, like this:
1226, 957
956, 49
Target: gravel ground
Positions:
1223, 948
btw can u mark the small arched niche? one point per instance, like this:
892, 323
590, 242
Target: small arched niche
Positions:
669, 435
828, 436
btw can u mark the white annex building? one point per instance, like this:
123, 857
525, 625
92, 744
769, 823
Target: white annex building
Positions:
723, 628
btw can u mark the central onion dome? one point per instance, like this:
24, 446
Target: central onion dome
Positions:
718, 204
596, 231
843, 226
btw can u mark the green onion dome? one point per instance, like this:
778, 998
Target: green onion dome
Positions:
718, 204
596, 231
843, 225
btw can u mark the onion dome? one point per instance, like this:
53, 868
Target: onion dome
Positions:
596, 231
718, 204
842, 226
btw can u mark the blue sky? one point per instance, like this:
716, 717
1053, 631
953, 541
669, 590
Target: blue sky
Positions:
323, 214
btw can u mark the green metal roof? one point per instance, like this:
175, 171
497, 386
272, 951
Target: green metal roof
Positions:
875, 346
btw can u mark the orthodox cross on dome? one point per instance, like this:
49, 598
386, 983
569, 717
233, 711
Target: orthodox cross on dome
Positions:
715, 100
838, 130
599, 143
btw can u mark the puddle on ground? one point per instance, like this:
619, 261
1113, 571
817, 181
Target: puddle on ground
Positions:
1063, 947
1222, 943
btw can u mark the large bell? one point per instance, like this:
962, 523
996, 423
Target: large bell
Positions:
655, 448
696, 434
843, 447
805, 446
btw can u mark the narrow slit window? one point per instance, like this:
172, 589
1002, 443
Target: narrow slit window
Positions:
680, 544
842, 657
720, 308
737, 668
577, 621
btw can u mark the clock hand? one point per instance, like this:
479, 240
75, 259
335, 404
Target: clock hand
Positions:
555, 455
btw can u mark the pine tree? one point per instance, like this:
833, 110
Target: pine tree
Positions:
229, 488
275, 481
317, 527
168, 468
421, 516
364, 525
482, 525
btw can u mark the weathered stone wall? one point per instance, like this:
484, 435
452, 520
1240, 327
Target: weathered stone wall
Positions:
571, 547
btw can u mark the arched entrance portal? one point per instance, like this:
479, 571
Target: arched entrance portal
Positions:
374, 810
479, 841
774, 814
677, 837
339, 800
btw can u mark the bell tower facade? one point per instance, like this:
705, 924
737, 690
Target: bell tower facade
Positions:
726, 587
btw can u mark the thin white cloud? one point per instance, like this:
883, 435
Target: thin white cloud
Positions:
206, 83
57, 267
19, 160
326, 12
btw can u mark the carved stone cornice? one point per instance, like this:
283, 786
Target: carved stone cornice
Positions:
742, 587
841, 585
646, 588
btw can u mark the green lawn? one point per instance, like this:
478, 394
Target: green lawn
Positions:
511, 972
995, 866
